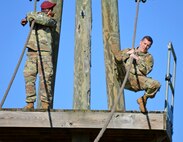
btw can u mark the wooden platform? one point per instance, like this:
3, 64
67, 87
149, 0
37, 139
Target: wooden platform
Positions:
62, 125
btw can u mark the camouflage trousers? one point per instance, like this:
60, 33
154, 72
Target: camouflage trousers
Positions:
138, 82
38, 64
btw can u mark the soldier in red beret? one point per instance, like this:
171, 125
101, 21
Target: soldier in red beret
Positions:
46, 6
39, 55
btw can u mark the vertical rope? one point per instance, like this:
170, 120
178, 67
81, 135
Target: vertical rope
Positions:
135, 24
17, 66
19, 61
35, 5
124, 82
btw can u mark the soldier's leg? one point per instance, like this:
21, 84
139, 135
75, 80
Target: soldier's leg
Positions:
114, 42
139, 83
151, 87
30, 72
46, 74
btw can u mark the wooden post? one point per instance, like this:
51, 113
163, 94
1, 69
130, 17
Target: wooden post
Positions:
82, 60
56, 38
111, 39
82, 56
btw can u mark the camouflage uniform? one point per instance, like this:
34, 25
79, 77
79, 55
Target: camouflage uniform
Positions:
39, 57
138, 79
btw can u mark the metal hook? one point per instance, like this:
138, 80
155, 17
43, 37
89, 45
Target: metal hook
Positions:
141, 0
31, 0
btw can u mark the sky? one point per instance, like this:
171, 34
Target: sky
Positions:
161, 19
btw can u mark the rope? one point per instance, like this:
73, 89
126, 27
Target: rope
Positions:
124, 82
16, 69
19, 61
35, 5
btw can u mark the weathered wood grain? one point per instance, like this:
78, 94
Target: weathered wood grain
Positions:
82, 55
111, 39
82, 119
78, 126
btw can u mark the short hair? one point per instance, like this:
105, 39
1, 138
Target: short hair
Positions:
149, 38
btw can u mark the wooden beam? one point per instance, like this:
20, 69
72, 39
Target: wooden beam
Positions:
82, 55
111, 39
56, 38
82, 126
82, 119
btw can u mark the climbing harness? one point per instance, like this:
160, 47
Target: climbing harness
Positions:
125, 79
20, 59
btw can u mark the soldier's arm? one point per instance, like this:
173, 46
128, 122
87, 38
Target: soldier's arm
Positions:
145, 65
41, 19
124, 54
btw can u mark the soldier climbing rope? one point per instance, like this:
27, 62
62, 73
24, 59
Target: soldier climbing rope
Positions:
125, 79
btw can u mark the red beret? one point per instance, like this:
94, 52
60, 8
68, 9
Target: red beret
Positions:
47, 4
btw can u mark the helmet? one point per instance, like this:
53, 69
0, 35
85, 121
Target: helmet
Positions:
47, 4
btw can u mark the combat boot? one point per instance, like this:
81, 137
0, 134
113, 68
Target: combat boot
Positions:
142, 104
29, 106
45, 105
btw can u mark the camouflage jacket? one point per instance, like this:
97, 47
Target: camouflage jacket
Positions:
41, 36
141, 67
